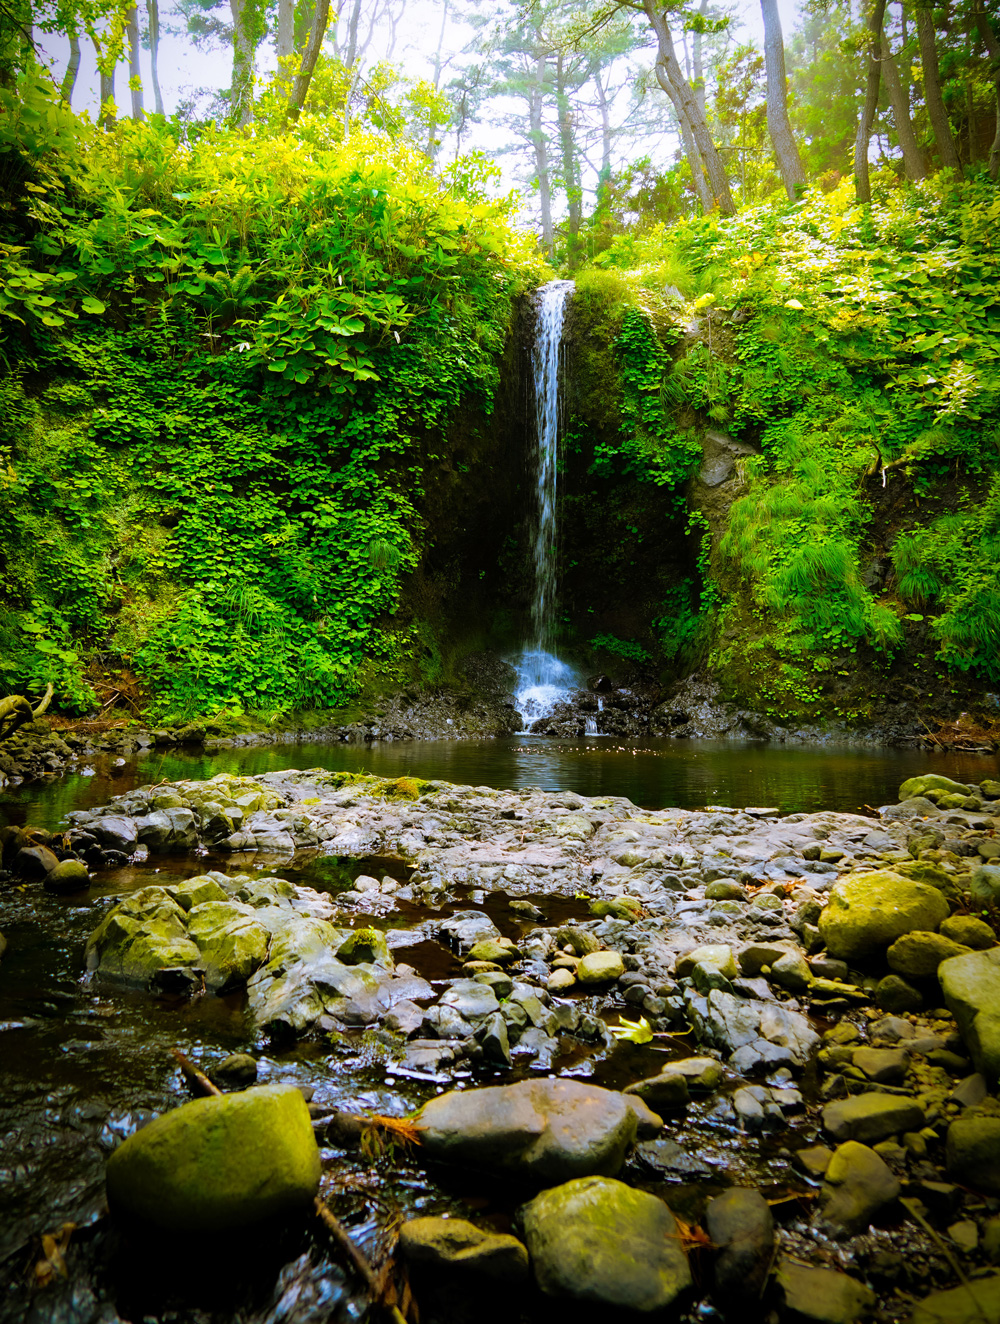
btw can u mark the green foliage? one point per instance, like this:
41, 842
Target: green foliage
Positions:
954, 564
218, 485
628, 649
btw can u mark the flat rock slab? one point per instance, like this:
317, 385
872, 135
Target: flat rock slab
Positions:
977, 1303
541, 1131
444, 1244
219, 1163
870, 1118
824, 1296
597, 1240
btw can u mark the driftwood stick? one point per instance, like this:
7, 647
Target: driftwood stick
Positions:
195, 1076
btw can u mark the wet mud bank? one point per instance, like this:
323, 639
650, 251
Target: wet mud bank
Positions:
773, 1034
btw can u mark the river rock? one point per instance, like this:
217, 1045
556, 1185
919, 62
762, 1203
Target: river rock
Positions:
857, 1184
973, 1152
976, 1302
600, 968
443, 1244
219, 1163
872, 1117
895, 994
931, 781
740, 1225
917, 955
885, 1066
663, 1093
971, 986
146, 933
701, 1073
539, 1130
867, 912
756, 1034
34, 862
823, 1296
598, 1241
969, 931
230, 941
68, 876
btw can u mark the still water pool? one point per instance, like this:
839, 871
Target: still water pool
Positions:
654, 774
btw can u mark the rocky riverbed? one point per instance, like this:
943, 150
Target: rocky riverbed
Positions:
763, 1051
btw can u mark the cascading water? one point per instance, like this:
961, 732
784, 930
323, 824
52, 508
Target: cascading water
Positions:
542, 679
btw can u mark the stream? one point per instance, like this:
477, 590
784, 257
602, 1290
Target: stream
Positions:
82, 1066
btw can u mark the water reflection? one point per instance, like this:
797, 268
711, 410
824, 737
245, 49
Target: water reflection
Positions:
653, 773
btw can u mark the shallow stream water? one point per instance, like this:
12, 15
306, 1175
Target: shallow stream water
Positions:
81, 1066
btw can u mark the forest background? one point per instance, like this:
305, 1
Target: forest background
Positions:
254, 343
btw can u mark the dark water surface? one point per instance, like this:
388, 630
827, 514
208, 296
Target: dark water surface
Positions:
655, 774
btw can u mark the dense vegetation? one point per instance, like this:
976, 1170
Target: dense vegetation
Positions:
228, 365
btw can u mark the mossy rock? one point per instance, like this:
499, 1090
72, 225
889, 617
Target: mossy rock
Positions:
923, 871
365, 947
628, 908
969, 931
215, 1164
867, 912
193, 891
146, 933
232, 943
931, 781
917, 955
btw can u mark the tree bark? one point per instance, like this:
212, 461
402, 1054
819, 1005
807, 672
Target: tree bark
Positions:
309, 57
134, 67
779, 126
699, 71
72, 69
992, 44
285, 38
936, 112
913, 158
574, 196
688, 144
105, 117
540, 145
667, 68
153, 14
351, 54
862, 181
241, 90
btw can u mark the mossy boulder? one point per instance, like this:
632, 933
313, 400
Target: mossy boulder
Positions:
869, 911
917, 955
146, 933
931, 781
193, 891
599, 1241
972, 1152
969, 931
971, 986
68, 876
219, 1163
365, 947
232, 943
600, 968
494, 951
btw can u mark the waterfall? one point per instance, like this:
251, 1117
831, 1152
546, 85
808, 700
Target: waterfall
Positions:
544, 680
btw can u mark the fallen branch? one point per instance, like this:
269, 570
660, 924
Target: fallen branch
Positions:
15, 711
194, 1075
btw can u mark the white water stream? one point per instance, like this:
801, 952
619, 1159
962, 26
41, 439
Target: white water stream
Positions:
542, 679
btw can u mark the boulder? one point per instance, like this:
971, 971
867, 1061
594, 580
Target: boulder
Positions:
857, 1184
917, 955
872, 1117
146, 933
193, 891
701, 1073
885, 1066
541, 1131
365, 947
34, 862
453, 1244
215, 1164
598, 1241
68, 876
231, 942
894, 994
867, 912
977, 1302
971, 986
740, 1225
931, 781
972, 1152
822, 1296
717, 955
600, 968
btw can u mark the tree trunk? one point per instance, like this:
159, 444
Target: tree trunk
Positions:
779, 126
862, 182
105, 116
72, 69
153, 14
134, 67
241, 91
541, 156
351, 54
992, 44
285, 39
432, 127
913, 158
309, 57
699, 71
668, 68
574, 196
936, 112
